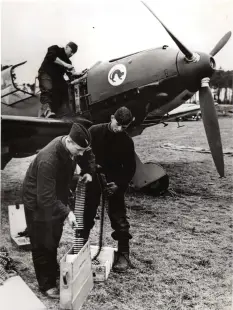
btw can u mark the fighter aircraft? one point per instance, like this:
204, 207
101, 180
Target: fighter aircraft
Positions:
151, 83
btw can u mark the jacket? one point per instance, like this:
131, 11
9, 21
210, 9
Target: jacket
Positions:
114, 152
47, 180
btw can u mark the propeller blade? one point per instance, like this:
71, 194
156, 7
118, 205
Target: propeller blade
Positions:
221, 43
211, 125
181, 46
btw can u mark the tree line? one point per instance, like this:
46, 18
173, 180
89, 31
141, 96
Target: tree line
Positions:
223, 80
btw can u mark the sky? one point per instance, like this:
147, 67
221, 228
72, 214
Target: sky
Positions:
112, 28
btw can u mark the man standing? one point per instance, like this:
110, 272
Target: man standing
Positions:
45, 197
114, 152
54, 89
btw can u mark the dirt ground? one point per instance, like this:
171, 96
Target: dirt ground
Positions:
182, 243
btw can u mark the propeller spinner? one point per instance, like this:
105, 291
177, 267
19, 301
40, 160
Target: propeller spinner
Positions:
209, 115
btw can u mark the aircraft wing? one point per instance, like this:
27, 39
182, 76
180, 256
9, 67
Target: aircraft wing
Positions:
186, 109
24, 135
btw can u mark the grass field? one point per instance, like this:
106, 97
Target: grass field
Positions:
182, 244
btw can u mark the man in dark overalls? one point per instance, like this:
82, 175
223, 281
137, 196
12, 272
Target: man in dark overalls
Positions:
54, 88
45, 197
114, 152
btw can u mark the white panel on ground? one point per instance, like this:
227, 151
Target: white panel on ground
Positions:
17, 223
16, 295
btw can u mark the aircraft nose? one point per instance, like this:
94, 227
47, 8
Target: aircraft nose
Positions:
193, 72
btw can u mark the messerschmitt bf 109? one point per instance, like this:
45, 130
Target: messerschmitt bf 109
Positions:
151, 83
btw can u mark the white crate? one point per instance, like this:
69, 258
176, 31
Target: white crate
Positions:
18, 224
76, 280
106, 258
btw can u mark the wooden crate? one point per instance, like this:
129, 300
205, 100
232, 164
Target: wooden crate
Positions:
106, 258
17, 223
76, 280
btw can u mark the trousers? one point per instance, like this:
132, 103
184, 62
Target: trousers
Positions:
44, 238
116, 210
54, 93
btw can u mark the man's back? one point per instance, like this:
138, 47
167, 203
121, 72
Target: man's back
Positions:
52, 165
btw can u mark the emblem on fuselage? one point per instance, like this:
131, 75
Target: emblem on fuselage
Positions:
117, 75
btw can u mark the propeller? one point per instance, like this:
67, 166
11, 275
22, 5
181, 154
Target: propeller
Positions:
189, 55
209, 115
221, 43
210, 121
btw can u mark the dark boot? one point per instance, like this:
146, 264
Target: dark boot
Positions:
122, 262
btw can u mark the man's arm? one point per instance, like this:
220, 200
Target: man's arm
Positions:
51, 56
87, 162
63, 63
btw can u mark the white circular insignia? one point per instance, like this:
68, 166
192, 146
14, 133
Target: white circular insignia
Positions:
117, 75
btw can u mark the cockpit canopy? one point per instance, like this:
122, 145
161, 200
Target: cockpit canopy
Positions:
13, 90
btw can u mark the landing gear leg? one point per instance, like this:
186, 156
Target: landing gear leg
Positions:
150, 178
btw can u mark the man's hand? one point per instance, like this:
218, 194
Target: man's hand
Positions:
78, 75
69, 67
74, 73
84, 71
111, 188
72, 219
86, 178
